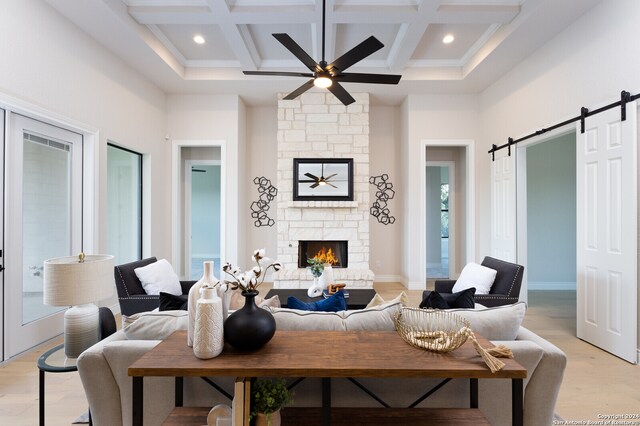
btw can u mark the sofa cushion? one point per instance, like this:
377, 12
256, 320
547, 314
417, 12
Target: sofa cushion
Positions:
499, 323
474, 275
159, 276
333, 303
378, 300
154, 325
378, 318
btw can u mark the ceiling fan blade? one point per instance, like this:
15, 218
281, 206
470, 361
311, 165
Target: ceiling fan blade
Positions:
329, 183
297, 51
329, 177
312, 176
300, 90
340, 93
307, 181
315, 185
368, 78
358, 53
276, 73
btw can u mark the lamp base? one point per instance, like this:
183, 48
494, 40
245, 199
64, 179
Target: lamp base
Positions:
80, 329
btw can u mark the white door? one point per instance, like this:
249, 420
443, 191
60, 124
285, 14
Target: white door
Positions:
43, 219
503, 207
606, 198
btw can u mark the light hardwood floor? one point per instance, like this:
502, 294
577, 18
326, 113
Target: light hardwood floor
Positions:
595, 382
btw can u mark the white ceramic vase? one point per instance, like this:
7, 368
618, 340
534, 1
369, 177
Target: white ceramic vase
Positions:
208, 279
327, 276
315, 290
208, 335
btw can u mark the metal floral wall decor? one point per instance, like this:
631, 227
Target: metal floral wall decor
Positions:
260, 208
384, 193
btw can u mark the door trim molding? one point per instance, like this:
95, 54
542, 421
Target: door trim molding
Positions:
228, 221
470, 161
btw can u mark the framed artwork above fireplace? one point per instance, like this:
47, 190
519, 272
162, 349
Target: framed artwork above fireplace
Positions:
323, 179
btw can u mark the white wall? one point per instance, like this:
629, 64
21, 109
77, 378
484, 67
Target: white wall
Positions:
262, 156
385, 241
588, 65
52, 65
214, 118
439, 117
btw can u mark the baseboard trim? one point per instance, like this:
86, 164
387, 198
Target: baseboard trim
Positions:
551, 285
389, 279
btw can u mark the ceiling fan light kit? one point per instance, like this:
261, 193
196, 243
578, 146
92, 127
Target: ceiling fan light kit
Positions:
330, 76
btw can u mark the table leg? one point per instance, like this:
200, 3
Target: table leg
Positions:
179, 391
473, 396
517, 401
137, 401
326, 401
41, 390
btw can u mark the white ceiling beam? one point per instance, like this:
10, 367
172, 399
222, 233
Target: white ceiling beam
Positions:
153, 15
475, 14
409, 36
237, 36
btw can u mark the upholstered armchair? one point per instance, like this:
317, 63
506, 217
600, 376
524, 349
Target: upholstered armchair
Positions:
505, 289
131, 294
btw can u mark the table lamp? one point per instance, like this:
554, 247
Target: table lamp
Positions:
78, 281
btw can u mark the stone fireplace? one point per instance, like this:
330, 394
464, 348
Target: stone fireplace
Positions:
317, 125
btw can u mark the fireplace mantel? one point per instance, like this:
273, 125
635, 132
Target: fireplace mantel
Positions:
324, 204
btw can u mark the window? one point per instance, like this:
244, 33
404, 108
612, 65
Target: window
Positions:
124, 204
444, 210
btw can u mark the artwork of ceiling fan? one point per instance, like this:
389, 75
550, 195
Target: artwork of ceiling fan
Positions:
317, 181
331, 75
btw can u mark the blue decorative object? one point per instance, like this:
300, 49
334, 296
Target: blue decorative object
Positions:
259, 208
384, 193
334, 303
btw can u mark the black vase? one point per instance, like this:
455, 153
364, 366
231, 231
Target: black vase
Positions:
250, 327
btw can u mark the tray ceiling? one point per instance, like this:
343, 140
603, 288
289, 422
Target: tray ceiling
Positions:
156, 38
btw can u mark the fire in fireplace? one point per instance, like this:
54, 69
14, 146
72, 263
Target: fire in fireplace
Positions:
333, 252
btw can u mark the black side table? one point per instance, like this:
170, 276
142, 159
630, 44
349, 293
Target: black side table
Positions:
358, 298
54, 361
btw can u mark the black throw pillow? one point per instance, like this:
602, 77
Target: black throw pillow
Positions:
435, 301
169, 302
463, 299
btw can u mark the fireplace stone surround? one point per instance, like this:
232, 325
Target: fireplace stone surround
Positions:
317, 125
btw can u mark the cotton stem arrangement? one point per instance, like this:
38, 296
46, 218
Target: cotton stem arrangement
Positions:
250, 280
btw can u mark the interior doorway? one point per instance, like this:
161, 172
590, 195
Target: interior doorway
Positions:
440, 218
551, 214
188, 155
454, 213
202, 216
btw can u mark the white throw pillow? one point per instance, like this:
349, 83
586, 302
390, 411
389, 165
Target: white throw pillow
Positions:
497, 323
378, 300
478, 276
159, 277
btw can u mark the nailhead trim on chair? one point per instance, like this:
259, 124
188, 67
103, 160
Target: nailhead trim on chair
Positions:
514, 280
122, 280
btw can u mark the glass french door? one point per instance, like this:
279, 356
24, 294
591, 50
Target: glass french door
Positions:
42, 219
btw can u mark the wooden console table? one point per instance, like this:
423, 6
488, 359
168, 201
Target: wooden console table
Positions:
314, 354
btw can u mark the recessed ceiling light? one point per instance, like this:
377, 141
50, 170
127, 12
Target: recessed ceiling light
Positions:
448, 39
198, 39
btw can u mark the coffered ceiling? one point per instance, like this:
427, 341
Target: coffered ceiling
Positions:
155, 37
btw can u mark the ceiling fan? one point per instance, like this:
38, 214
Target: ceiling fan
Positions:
331, 75
319, 180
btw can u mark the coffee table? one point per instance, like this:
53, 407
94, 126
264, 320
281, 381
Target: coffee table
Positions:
358, 298
303, 354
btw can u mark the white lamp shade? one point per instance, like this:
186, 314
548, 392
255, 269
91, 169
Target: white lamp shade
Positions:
67, 281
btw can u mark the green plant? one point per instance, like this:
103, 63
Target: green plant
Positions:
316, 267
268, 396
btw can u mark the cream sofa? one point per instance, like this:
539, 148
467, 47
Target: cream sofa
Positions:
103, 369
